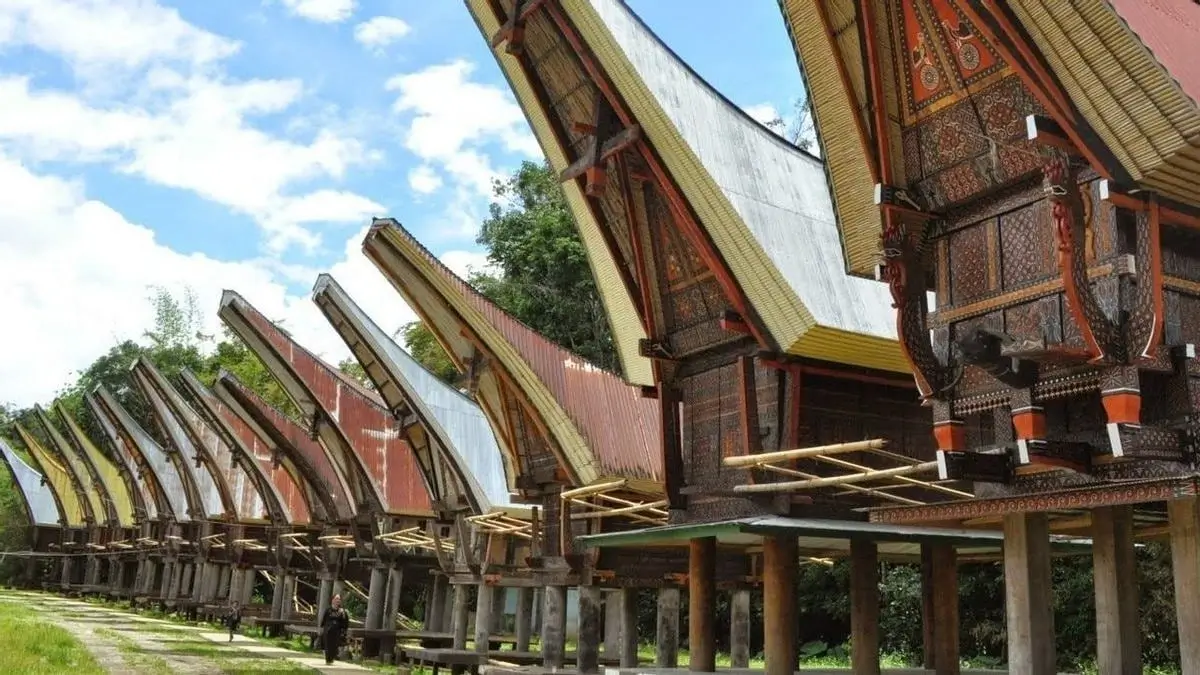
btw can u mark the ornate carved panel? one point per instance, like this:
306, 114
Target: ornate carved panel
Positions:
968, 264
1027, 245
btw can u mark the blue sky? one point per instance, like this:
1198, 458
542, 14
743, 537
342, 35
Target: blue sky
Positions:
246, 143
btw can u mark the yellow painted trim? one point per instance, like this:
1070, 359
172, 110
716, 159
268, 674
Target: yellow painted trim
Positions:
57, 478
852, 349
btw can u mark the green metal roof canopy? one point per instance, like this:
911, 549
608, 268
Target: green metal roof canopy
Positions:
830, 536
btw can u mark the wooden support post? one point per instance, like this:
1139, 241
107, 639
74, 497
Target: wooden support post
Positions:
1028, 593
629, 622
435, 612
376, 598
612, 623
185, 581
943, 572
483, 617
587, 657
739, 628
277, 596
864, 607
289, 594
702, 605
395, 585
164, 583
780, 555
1118, 635
460, 616
928, 622
499, 599
324, 595
524, 618
554, 626
666, 648
251, 577
224, 583
236, 579
1184, 517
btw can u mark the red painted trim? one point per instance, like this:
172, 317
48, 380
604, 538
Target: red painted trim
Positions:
1156, 276
883, 169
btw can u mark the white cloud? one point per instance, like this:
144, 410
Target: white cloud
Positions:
103, 267
424, 179
764, 113
464, 263
198, 137
381, 31
448, 127
321, 11
94, 35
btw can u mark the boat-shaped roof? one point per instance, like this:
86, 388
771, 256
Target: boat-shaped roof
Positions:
281, 435
41, 504
71, 501
148, 494
361, 423
111, 477
596, 425
281, 492
755, 210
463, 435
210, 486
175, 494
99, 504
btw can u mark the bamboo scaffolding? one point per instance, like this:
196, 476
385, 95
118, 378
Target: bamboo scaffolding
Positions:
589, 490
626, 510
869, 474
818, 451
852, 487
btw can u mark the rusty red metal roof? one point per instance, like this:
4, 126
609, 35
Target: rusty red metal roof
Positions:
273, 480
320, 473
1171, 30
621, 428
362, 418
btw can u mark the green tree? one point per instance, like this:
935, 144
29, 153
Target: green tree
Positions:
424, 347
355, 371
233, 356
544, 279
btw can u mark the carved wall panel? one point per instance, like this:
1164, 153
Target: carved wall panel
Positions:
711, 425
1181, 253
969, 264
1182, 325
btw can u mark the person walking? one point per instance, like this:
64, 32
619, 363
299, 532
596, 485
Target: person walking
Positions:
234, 618
334, 624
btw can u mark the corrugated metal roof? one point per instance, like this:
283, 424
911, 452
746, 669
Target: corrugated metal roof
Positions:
110, 473
459, 425
81, 474
362, 418
207, 445
272, 480
126, 430
59, 479
40, 504
215, 497
603, 426
146, 495
281, 434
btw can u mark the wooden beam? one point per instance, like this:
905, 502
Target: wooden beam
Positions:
838, 480
733, 322
609, 148
1044, 130
815, 451
513, 30
748, 407
975, 466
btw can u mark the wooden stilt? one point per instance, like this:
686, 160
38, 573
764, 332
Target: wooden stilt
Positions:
554, 626
395, 586
435, 612
666, 648
376, 598
928, 623
612, 623
1184, 516
459, 616
864, 607
943, 567
779, 604
1028, 593
739, 629
524, 618
629, 636
483, 617
588, 652
1118, 635
702, 605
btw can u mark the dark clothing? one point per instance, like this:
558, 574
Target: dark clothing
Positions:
233, 619
334, 624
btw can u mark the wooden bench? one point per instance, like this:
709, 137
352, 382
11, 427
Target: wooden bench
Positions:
458, 660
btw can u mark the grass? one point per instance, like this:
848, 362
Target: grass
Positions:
134, 655
35, 647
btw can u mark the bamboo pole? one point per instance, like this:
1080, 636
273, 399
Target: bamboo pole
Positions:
801, 453
619, 512
852, 487
593, 489
837, 480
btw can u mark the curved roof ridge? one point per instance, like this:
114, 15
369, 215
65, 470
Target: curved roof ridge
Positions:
66, 492
269, 482
147, 491
289, 435
79, 468
365, 425
616, 428
460, 424
41, 505
109, 472
174, 490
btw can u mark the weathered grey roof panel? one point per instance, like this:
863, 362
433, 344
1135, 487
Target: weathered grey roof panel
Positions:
39, 499
155, 456
128, 462
779, 191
